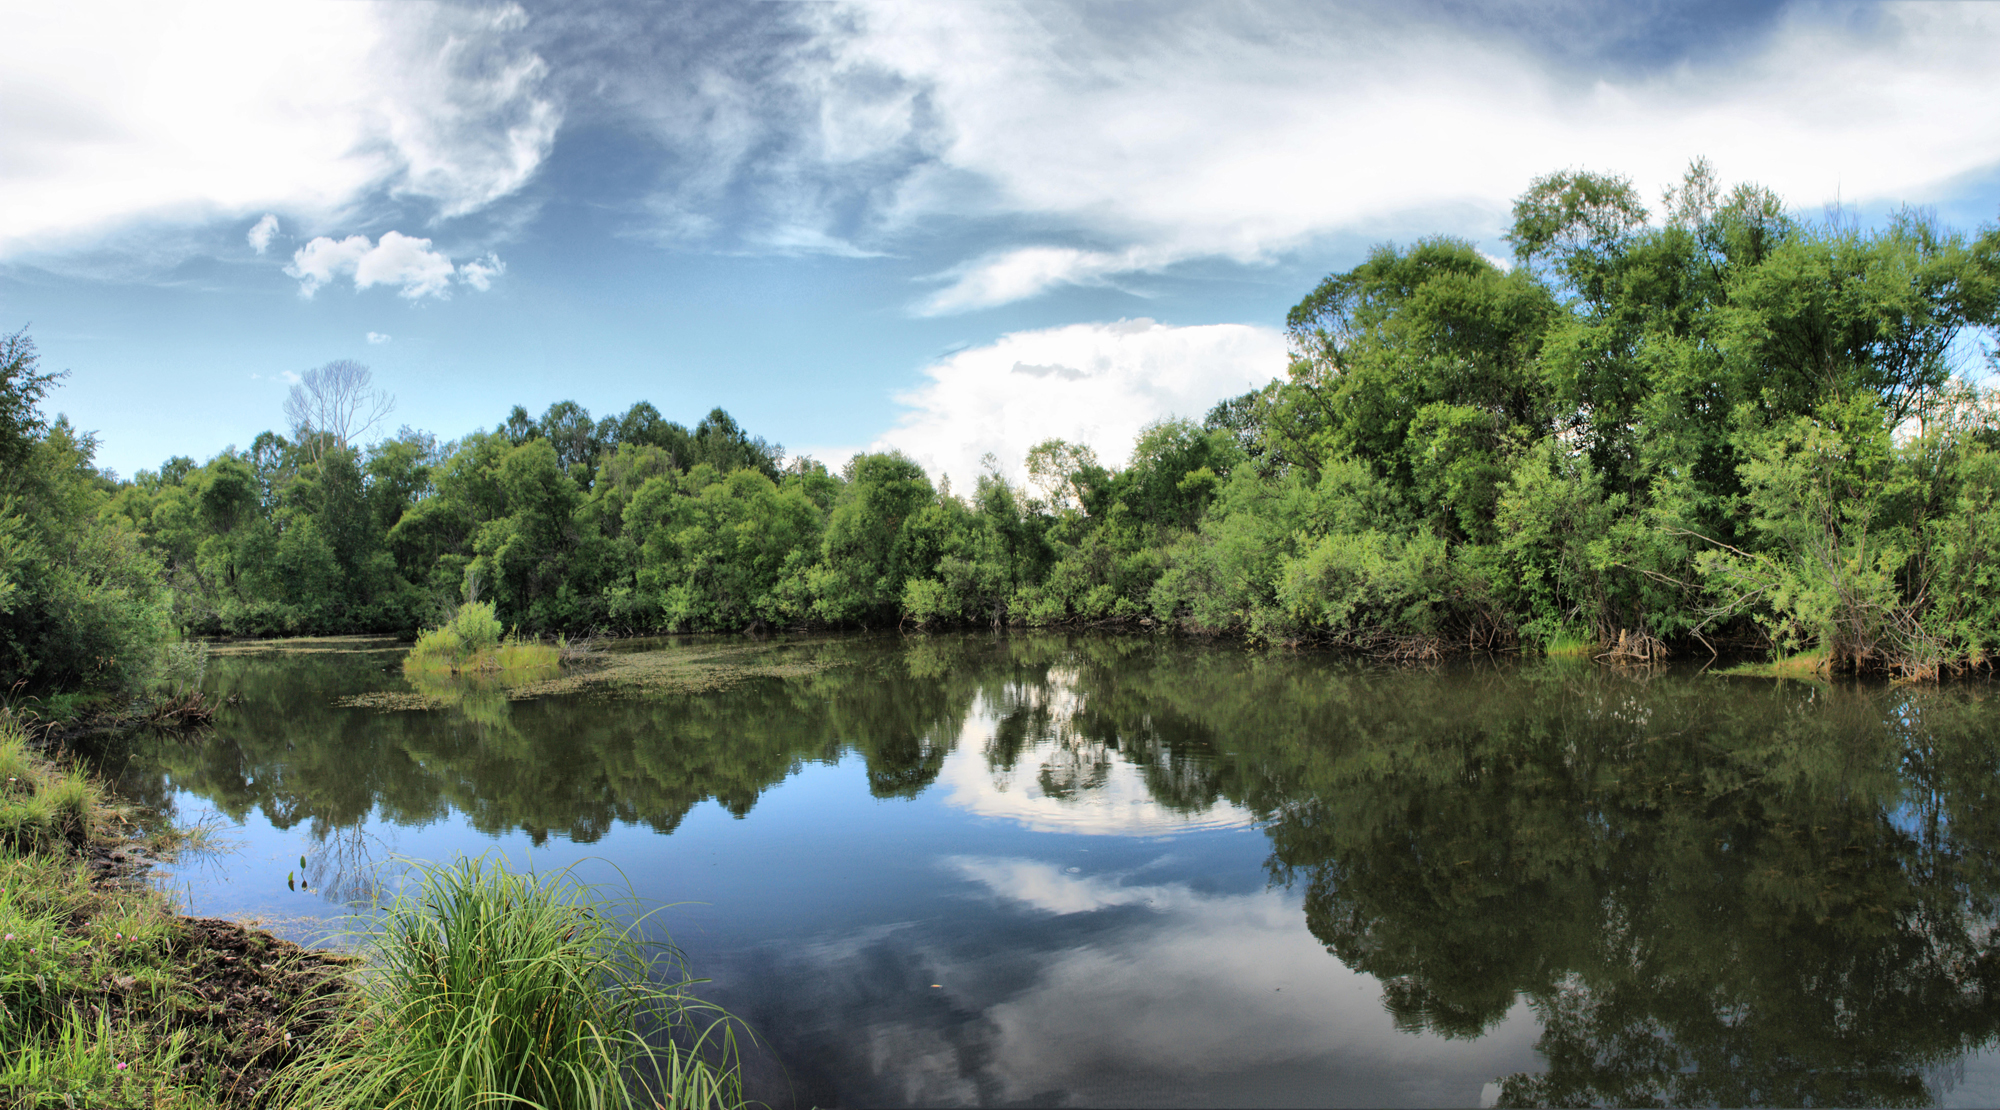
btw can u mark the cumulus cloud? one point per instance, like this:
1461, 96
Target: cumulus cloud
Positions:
153, 111
396, 259
377, 338
260, 235
1096, 384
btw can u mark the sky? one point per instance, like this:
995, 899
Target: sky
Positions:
951, 229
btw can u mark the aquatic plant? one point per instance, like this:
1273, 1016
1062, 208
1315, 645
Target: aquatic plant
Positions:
181, 701
488, 987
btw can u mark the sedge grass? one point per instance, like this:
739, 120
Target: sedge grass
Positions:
1569, 644
490, 988
1806, 665
41, 805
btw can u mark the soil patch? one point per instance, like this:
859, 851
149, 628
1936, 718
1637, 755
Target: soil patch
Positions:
262, 999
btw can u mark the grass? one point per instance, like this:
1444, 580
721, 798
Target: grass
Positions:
485, 988
1568, 644
1807, 664
491, 988
108, 997
41, 805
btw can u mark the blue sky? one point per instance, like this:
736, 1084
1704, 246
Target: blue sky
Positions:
950, 228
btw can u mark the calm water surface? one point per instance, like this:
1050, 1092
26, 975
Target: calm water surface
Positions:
1084, 871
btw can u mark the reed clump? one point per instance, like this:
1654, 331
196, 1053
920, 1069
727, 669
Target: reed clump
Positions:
472, 641
491, 988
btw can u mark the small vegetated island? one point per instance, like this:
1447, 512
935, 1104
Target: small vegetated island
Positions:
473, 643
1707, 424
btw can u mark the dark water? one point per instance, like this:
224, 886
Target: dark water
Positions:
1075, 871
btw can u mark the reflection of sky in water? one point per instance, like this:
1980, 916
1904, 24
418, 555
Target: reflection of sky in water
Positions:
1073, 963
1036, 926
1213, 998
1063, 782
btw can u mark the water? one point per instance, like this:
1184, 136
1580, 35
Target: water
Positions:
1088, 871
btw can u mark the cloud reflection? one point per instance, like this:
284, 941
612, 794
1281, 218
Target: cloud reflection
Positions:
1061, 780
1060, 989
1220, 991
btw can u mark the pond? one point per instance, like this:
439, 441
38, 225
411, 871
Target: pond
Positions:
1135, 871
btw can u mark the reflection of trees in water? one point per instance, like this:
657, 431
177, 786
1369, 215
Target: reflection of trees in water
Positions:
1075, 709
345, 864
572, 767
1709, 894
1708, 891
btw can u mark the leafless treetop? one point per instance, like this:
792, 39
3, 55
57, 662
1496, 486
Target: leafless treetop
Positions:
335, 401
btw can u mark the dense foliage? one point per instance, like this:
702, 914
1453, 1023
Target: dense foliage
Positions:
1729, 423
81, 596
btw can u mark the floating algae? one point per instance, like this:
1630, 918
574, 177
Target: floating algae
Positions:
308, 645
668, 671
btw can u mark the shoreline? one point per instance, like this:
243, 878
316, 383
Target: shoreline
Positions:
110, 995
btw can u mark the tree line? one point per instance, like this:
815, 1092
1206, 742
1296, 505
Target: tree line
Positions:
1726, 424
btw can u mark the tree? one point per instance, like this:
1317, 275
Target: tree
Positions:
333, 405
21, 392
568, 429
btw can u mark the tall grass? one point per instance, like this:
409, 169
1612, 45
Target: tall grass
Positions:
491, 988
86, 1017
41, 805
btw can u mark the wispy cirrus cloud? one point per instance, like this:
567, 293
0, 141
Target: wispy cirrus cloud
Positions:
1085, 145
1206, 135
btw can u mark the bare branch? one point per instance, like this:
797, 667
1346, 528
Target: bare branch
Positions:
333, 405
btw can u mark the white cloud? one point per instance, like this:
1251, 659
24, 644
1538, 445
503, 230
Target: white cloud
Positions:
1017, 274
1097, 384
397, 259
377, 338
260, 236
480, 272
148, 111
1242, 132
